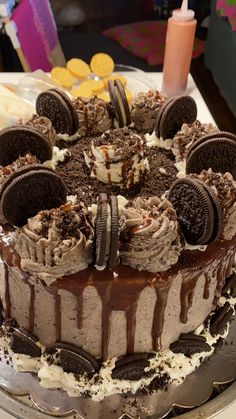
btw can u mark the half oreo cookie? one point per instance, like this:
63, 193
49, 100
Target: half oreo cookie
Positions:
58, 109
197, 209
132, 367
120, 102
30, 190
213, 151
19, 140
25, 343
173, 114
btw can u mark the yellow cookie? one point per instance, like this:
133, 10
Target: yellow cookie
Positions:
114, 77
96, 86
83, 91
104, 95
62, 76
78, 68
102, 64
129, 95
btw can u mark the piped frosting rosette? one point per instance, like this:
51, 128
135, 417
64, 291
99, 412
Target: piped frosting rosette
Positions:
56, 242
150, 237
41, 124
117, 157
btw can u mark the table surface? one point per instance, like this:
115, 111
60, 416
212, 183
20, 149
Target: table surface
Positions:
204, 115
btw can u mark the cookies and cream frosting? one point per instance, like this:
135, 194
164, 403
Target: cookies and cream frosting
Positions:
56, 242
41, 124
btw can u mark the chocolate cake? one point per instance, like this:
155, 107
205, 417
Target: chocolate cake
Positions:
117, 271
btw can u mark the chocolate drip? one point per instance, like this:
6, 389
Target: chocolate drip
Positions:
130, 327
206, 293
7, 292
221, 276
162, 292
80, 309
186, 295
57, 302
31, 309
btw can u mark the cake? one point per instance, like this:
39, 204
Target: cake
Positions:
117, 271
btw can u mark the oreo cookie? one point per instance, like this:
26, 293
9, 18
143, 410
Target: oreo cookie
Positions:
69, 103
59, 110
216, 151
114, 247
220, 319
75, 360
197, 210
230, 286
190, 344
101, 230
132, 367
218, 214
24, 343
120, 102
173, 114
19, 140
30, 190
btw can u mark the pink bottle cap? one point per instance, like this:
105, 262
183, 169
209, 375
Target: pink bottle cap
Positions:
184, 14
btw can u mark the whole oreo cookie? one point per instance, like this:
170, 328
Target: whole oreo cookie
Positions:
218, 214
101, 230
190, 344
114, 231
66, 98
212, 151
195, 210
75, 360
54, 106
30, 190
132, 367
173, 114
19, 140
120, 102
25, 343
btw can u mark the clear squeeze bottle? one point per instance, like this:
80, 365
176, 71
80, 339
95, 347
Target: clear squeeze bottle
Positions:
178, 51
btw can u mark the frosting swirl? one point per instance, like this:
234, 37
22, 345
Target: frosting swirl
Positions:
56, 242
187, 135
144, 109
150, 237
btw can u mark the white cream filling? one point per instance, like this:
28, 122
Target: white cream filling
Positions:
153, 141
58, 156
69, 138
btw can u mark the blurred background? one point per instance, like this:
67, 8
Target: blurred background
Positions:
133, 33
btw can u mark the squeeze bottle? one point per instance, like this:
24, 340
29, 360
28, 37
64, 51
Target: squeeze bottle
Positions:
180, 35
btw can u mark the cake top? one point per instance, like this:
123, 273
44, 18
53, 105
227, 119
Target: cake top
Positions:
117, 196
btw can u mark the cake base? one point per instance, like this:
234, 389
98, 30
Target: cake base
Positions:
219, 368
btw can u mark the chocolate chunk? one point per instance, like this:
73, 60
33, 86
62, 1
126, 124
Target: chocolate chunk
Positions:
30, 190
190, 344
173, 114
132, 367
114, 231
54, 107
120, 102
25, 343
194, 210
230, 286
75, 360
219, 154
19, 140
70, 106
101, 230
220, 319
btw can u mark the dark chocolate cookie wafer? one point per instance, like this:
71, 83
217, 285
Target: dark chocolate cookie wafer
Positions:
25, 343
132, 368
190, 345
173, 114
30, 190
194, 209
216, 153
19, 140
114, 231
75, 360
70, 106
54, 107
120, 102
101, 230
